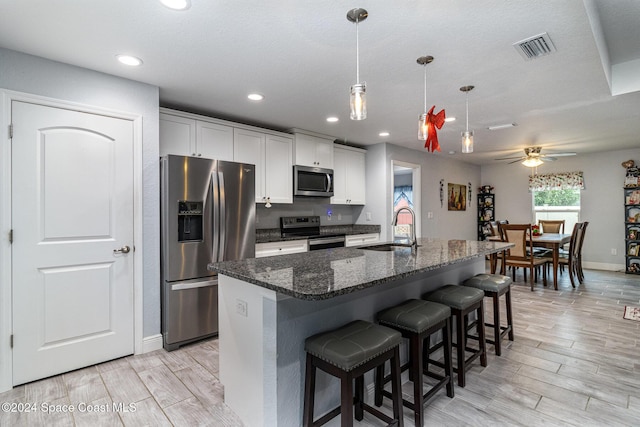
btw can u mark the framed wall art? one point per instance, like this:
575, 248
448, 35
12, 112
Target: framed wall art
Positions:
457, 197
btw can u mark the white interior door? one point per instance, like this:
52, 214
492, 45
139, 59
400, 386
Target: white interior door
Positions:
72, 221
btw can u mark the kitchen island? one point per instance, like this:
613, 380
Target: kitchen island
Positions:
269, 306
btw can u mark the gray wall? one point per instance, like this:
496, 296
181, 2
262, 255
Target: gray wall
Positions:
434, 167
601, 201
38, 76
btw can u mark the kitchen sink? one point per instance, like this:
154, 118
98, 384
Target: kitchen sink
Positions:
386, 247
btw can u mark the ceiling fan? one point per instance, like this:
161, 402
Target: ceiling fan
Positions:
533, 157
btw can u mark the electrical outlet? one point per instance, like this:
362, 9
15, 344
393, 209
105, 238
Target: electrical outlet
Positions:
430, 215
614, 251
242, 308
339, 217
368, 215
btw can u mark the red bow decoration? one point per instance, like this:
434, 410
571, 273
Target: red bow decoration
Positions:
433, 121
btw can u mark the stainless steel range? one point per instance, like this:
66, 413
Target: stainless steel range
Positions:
309, 227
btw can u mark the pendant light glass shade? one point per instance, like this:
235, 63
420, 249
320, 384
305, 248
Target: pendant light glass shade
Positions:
467, 141
358, 102
357, 98
423, 126
467, 135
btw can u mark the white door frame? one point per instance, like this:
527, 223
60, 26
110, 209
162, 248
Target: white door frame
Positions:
6, 313
417, 192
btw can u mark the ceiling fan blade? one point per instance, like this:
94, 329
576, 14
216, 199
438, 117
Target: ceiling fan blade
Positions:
511, 158
562, 154
516, 161
547, 159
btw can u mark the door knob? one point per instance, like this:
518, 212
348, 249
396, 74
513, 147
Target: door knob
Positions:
123, 250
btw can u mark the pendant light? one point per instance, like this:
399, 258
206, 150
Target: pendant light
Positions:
422, 121
467, 135
358, 101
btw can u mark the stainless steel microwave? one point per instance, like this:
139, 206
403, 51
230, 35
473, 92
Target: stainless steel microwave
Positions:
310, 181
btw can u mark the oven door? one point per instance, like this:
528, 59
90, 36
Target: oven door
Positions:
318, 243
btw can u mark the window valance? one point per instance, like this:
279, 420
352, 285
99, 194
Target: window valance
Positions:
557, 181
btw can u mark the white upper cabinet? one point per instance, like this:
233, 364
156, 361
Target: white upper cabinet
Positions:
272, 156
177, 135
349, 179
214, 141
313, 151
189, 137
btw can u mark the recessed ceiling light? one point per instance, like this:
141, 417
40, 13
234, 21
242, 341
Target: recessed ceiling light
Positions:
504, 126
332, 119
255, 97
452, 152
450, 119
384, 134
177, 4
129, 60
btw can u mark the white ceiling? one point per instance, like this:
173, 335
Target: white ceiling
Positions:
301, 55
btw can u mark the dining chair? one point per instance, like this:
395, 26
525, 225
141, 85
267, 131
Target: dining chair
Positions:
552, 225
522, 254
571, 259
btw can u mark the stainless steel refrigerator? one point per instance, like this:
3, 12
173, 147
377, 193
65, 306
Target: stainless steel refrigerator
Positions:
207, 215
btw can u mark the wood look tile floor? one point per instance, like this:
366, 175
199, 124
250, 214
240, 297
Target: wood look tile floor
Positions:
574, 361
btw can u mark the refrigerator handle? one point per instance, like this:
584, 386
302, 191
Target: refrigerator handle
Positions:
214, 188
222, 232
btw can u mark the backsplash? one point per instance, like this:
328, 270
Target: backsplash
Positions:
340, 214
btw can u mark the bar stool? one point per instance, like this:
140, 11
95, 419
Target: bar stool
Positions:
347, 353
463, 300
494, 286
417, 320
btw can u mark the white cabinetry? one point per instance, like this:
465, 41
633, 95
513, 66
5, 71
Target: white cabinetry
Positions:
313, 151
190, 137
361, 239
272, 156
281, 248
348, 176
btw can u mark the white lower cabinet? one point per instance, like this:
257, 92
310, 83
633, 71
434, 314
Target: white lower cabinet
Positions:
361, 239
281, 248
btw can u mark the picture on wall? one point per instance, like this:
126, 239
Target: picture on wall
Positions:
457, 197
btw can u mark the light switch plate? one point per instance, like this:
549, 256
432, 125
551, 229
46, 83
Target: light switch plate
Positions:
242, 308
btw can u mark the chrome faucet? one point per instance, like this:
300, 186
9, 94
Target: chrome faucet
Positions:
414, 241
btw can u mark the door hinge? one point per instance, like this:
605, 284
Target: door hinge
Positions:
11, 341
11, 236
11, 131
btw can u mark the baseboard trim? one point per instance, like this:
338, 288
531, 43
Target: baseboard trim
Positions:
603, 266
151, 343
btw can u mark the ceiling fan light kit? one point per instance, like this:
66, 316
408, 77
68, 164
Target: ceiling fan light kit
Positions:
357, 97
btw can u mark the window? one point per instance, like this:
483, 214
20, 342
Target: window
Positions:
557, 196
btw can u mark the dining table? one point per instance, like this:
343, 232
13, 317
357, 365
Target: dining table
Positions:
553, 241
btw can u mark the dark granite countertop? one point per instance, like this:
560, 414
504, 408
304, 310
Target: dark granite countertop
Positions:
266, 235
332, 272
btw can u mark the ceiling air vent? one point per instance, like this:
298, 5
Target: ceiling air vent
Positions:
535, 46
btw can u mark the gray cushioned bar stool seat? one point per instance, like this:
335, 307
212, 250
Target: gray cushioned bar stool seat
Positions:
347, 353
417, 320
494, 286
463, 300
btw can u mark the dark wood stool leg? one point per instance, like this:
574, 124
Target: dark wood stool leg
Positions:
415, 348
309, 391
507, 297
359, 398
396, 387
346, 400
481, 338
460, 334
379, 385
448, 365
496, 322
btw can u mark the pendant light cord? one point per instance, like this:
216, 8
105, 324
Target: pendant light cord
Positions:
425, 87
467, 111
357, 52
